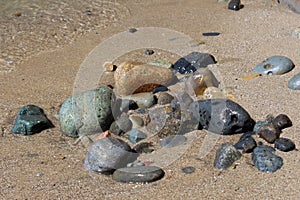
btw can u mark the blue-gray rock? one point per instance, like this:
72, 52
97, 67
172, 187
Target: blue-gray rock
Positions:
139, 174
282, 121
226, 155
294, 82
108, 154
275, 65
188, 170
173, 140
31, 119
193, 61
234, 5
284, 144
221, 116
87, 112
265, 160
136, 135
246, 143
121, 125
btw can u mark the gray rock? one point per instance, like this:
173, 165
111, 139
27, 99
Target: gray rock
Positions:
136, 121
30, 120
246, 143
173, 140
275, 65
138, 174
121, 125
107, 155
143, 100
234, 5
294, 82
284, 144
87, 112
221, 116
226, 156
136, 135
265, 160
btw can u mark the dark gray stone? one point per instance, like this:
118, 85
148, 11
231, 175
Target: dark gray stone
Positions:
294, 82
265, 160
284, 144
121, 125
87, 112
138, 174
275, 65
282, 121
234, 5
30, 120
221, 116
246, 143
108, 154
173, 140
226, 156
135, 135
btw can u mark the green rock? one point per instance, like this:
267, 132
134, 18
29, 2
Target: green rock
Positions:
87, 112
30, 120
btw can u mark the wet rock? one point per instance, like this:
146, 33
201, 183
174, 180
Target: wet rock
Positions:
275, 65
193, 61
107, 155
149, 52
135, 135
173, 140
31, 119
294, 82
160, 89
138, 174
130, 78
282, 121
87, 112
234, 5
164, 98
226, 156
265, 160
284, 144
143, 100
246, 143
121, 125
188, 170
221, 116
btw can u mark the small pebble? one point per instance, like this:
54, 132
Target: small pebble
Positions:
173, 140
282, 121
246, 143
149, 52
160, 89
226, 155
211, 34
268, 135
135, 135
136, 121
138, 174
294, 82
284, 144
132, 30
188, 170
275, 65
234, 5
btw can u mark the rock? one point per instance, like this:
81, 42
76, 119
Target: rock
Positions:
294, 5
160, 89
164, 98
135, 135
136, 164
193, 61
143, 100
138, 174
87, 112
132, 30
210, 34
149, 52
121, 125
136, 121
265, 160
188, 170
107, 155
130, 79
120, 106
269, 133
234, 5
246, 143
226, 156
284, 144
282, 121
173, 140
144, 147
221, 116
294, 82
261, 124
275, 65
31, 119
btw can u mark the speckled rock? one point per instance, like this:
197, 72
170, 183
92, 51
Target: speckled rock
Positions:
193, 61
31, 119
275, 65
265, 160
246, 143
294, 82
130, 79
226, 155
138, 174
143, 100
135, 135
173, 140
221, 116
108, 154
284, 144
87, 112
282, 121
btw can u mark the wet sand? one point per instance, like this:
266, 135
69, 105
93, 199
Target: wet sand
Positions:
46, 166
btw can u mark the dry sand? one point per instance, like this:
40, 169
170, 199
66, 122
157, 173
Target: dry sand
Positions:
46, 166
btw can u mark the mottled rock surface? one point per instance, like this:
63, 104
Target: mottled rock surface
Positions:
226, 155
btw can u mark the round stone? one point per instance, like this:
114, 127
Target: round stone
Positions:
173, 140
138, 174
188, 170
275, 65
234, 5
284, 144
294, 82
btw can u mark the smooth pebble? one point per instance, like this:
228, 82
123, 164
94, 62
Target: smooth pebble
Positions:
275, 65
284, 144
294, 82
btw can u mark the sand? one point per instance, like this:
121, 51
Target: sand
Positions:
46, 166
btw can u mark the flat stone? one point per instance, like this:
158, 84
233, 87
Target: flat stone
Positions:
173, 140
108, 154
130, 79
87, 112
135, 135
138, 174
221, 116
294, 82
31, 119
265, 160
226, 155
284, 144
275, 65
